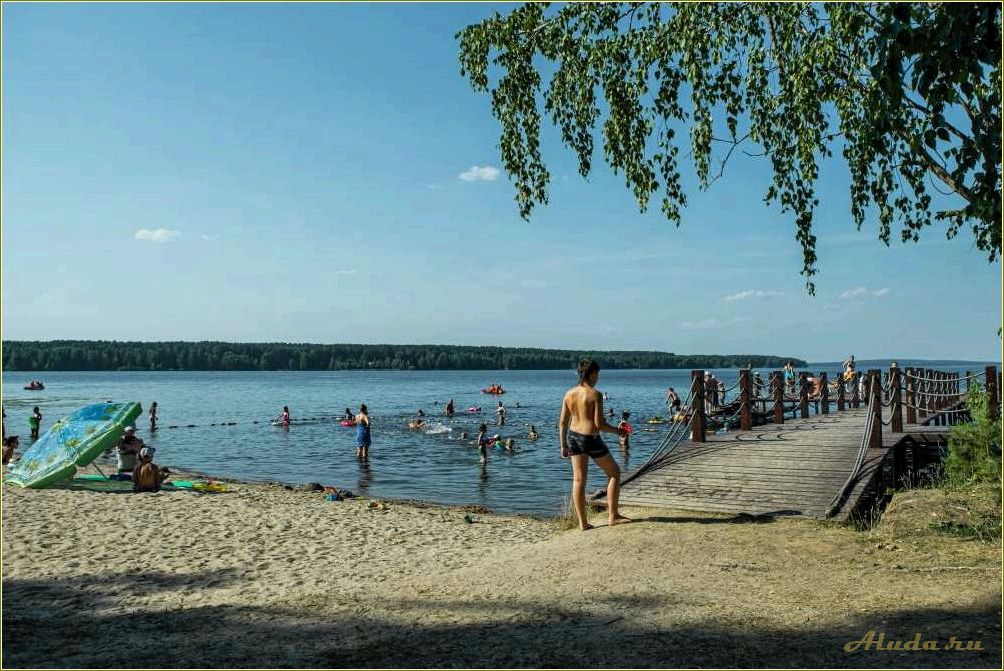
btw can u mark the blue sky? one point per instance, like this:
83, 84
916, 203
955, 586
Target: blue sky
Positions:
296, 173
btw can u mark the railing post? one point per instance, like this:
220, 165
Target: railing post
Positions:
778, 397
855, 393
841, 390
897, 399
803, 394
866, 397
745, 389
697, 419
993, 393
824, 393
911, 398
875, 407
922, 396
968, 380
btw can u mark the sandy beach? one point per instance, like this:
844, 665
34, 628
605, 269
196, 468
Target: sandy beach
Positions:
266, 576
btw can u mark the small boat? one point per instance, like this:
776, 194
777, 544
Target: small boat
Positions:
498, 391
34, 386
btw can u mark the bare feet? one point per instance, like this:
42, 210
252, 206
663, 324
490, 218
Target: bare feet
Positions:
620, 519
586, 527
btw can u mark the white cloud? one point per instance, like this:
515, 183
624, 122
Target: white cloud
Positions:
753, 293
157, 234
854, 293
477, 173
210, 238
863, 291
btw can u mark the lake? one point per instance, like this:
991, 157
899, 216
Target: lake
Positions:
403, 464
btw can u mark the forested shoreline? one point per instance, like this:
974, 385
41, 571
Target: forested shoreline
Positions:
102, 355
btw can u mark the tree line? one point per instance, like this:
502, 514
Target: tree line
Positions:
102, 355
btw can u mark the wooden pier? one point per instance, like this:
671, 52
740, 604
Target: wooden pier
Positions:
825, 465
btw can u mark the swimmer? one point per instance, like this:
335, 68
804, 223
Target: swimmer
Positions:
625, 439
421, 413
533, 435
510, 445
482, 442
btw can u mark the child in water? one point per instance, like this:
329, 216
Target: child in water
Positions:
625, 439
482, 442
284, 417
533, 435
35, 422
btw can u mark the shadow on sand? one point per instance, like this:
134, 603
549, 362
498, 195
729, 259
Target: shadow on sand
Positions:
82, 622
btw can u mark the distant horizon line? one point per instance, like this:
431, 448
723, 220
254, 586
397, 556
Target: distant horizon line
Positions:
525, 347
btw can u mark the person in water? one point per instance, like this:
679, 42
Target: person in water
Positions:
35, 422
421, 413
153, 416
483, 441
363, 440
349, 416
533, 435
500, 411
625, 438
673, 399
579, 427
284, 417
450, 409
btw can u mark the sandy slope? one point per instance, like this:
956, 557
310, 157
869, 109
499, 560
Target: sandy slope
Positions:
263, 576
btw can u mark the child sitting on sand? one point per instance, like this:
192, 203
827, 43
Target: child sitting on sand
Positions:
146, 477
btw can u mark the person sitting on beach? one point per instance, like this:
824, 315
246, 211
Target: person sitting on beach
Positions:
146, 477
128, 450
10, 443
579, 427
35, 422
533, 435
624, 440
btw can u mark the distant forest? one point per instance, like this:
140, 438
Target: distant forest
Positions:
110, 355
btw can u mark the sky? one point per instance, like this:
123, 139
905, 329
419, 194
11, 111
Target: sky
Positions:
323, 173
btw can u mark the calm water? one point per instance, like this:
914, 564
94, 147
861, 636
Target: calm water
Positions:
436, 467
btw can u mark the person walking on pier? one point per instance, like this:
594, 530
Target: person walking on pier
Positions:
579, 427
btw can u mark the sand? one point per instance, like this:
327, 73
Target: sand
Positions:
265, 576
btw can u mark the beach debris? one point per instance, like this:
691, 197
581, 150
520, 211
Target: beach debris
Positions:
377, 505
468, 518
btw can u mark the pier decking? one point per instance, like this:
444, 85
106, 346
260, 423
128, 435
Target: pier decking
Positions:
818, 466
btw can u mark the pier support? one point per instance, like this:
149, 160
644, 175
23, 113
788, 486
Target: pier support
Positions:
855, 391
911, 397
778, 378
875, 407
897, 399
698, 422
745, 387
803, 395
841, 391
824, 393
